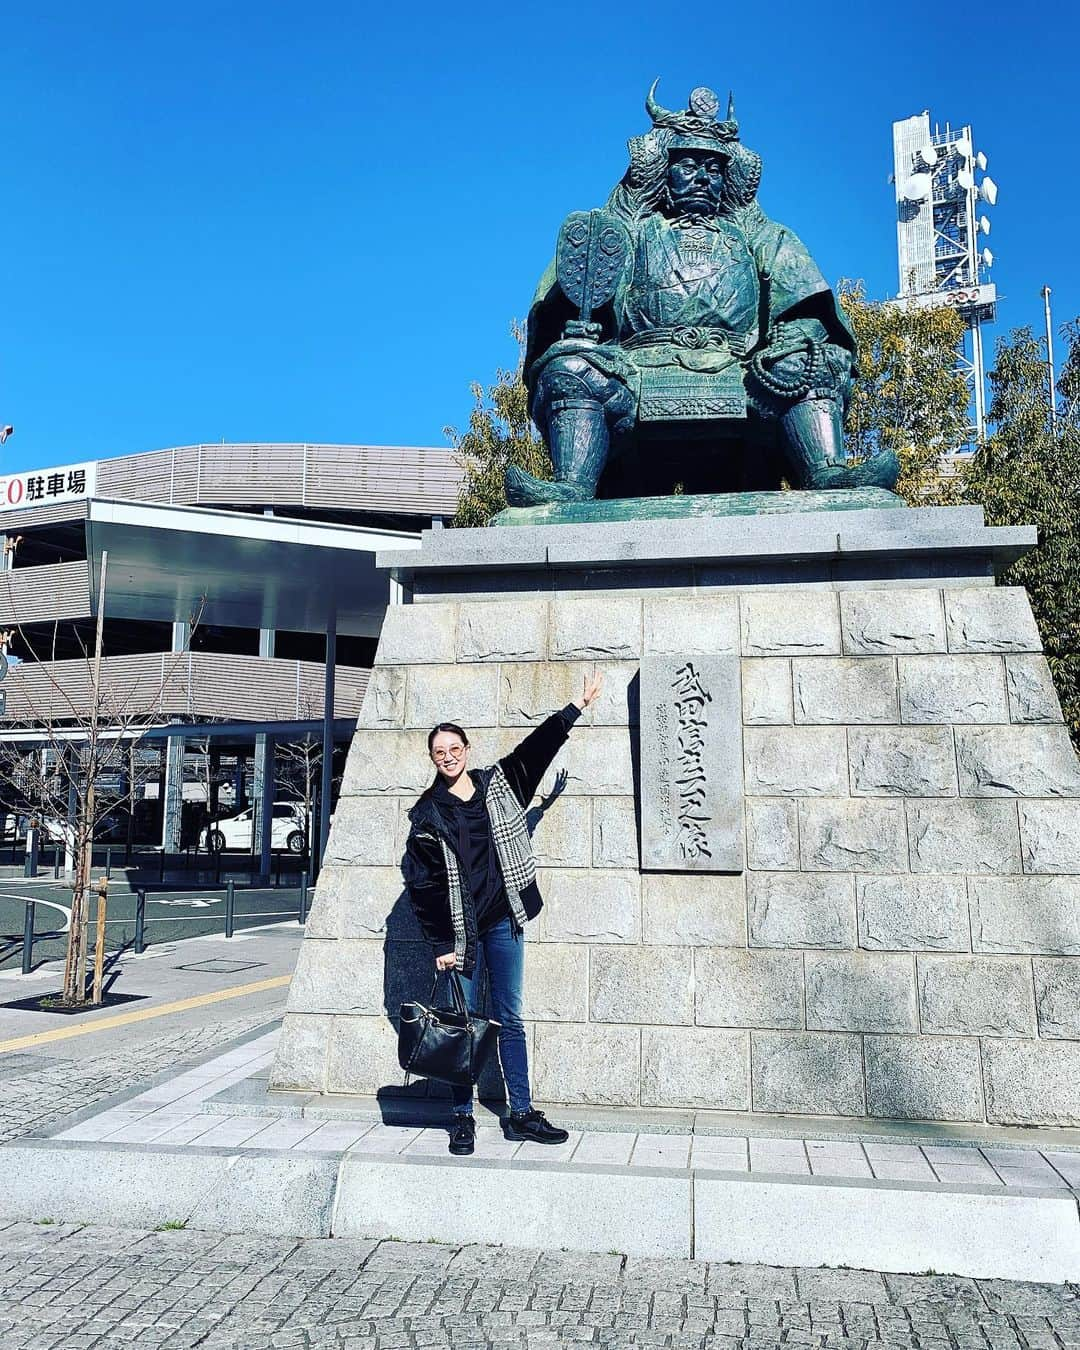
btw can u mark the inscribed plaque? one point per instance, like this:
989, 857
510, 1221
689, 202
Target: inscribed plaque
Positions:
691, 764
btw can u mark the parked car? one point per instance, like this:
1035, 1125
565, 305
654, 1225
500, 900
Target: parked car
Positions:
286, 830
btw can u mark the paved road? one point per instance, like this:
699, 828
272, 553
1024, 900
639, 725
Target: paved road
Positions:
171, 914
69, 1288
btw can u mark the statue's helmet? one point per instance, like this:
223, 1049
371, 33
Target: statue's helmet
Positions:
694, 127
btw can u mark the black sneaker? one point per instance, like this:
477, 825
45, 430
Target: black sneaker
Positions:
534, 1128
462, 1135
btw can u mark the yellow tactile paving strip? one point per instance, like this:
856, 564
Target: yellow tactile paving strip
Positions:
142, 1014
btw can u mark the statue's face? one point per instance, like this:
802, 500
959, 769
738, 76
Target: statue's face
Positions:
695, 181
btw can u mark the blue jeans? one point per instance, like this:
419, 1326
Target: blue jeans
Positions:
503, 952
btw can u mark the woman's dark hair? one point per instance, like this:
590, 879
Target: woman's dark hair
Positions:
452, 728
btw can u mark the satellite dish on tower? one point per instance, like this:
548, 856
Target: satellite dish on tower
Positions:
980, 160
962, 146
917, 187
966, 179
987, 258
928, 155
988, 191
984, 224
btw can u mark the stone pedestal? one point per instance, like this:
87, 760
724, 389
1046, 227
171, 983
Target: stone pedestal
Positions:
904, 938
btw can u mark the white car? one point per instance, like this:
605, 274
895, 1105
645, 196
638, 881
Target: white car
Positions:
286, 830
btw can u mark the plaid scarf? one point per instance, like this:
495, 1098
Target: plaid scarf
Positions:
513, 848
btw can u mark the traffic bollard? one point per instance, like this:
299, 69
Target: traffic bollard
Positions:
108, 864
230, 903
140, 922
56, 864
28, 938
161, 869
302, 916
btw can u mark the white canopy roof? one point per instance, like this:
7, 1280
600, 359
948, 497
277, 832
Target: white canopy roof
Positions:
237, 569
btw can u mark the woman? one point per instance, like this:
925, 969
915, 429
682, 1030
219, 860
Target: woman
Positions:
471, 877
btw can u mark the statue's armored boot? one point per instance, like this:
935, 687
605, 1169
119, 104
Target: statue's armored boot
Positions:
813, 439
577, 435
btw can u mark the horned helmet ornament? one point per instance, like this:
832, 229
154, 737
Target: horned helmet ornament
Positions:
692, 128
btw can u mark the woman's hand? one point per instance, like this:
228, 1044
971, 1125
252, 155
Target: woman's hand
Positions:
447, 962
592, 686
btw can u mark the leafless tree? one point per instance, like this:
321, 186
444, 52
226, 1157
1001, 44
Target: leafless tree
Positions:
86, 717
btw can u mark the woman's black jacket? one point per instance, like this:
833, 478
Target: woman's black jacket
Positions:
424, 865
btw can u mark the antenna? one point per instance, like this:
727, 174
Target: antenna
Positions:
940, 254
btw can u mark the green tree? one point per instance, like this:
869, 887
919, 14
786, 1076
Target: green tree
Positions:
500, 434
908, 395
1028, 473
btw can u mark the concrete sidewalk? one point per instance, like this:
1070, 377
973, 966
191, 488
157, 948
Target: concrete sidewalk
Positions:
209, 1147
194, 997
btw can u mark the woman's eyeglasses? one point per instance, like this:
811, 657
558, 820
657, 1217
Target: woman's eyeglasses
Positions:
447, 756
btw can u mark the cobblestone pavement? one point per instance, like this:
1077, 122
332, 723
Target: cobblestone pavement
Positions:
63, 1287
38, 1090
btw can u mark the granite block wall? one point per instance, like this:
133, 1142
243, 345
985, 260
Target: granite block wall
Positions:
904, 941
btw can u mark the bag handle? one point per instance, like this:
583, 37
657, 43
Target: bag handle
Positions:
457, 993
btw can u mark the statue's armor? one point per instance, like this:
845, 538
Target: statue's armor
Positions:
693, 273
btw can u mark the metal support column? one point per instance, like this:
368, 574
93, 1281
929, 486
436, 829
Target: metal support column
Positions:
263, 786
263, 794
328, 734
173, 793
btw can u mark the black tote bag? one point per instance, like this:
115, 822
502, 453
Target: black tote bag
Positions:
450, 1045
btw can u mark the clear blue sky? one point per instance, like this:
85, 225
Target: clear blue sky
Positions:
315, 221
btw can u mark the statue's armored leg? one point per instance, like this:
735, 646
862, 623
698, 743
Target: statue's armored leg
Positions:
577, 438
572, 405
812, 437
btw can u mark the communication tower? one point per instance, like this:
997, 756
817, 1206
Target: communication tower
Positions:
940, 222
